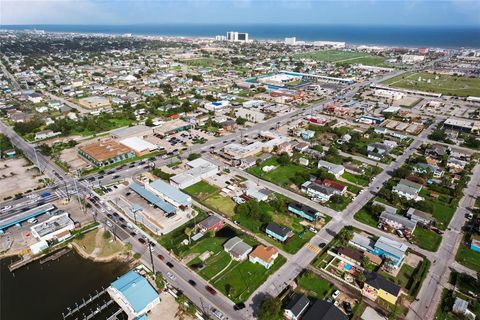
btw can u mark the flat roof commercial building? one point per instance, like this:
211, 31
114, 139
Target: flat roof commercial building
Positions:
169, 193
140, 146
105, 152
134, 294
199, 169
57, 227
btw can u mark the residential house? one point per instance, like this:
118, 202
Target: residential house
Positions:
324, 310
301, 146
303, 211
460, 307
237, 249
280, 233
419, 216
211, 223
437, 150
297, 305
264, 255
376, 286
362, 242
46, 134
338, 188
390, 249
408, 189
352, 255
336, 169
426, 167
317, 192
456, 165
307, 134
397, 222
377, 151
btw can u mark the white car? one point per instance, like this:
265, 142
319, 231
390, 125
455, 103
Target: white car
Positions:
6, 208
171, 276
218, 314
335, 294
312, 229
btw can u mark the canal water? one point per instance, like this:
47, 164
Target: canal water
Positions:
44, 291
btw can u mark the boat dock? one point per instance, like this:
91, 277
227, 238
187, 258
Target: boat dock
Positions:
79, 312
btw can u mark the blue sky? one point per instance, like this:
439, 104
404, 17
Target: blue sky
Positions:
365, 12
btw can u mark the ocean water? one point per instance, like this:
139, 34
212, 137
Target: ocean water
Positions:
439, 37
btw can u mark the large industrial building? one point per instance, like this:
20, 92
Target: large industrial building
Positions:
140, 146
105, 152
169, 194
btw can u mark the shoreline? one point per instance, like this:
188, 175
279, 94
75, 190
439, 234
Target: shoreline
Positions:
123, 30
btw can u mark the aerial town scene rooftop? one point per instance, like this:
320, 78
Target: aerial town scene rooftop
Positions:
238, 178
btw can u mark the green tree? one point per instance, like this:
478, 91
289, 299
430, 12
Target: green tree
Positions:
193, 156
107, 235
240, 121
149, 122
284, 159
159, 281
270, 309
188, 232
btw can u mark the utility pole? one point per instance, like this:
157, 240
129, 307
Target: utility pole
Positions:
151, 255
66, 189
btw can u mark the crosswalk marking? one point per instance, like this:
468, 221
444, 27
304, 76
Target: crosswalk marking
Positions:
313, 248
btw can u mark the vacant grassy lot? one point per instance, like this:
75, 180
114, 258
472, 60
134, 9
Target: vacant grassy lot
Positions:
201, 62
221, 204
426, 239
444, 84
94, 240
344, 57
282, 176
468, 257
240, 280
201, 190
365, 217
314, 286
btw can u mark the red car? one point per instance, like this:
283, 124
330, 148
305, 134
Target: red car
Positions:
211, 290
161, 257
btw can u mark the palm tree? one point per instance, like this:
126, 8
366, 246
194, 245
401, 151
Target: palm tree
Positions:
188, 232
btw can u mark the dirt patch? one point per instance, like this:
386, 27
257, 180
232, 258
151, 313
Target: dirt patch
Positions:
17, 176
413, 260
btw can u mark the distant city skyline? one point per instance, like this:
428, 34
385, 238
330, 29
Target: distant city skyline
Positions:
354, 12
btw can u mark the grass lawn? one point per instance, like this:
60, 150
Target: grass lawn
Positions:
426, 239
360, 180
444, 84
365, 217
403, 276
107, 247
221, 204
240, 280
200, 190
171, 241
282, 175
468, 257
442, 213
215, 264
281, 217
201, 62
314, 286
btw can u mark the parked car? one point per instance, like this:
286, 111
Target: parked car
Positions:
169, 264
192, 283
141, 240
210, 290
335, 294
161, 257
239, 306
348, 308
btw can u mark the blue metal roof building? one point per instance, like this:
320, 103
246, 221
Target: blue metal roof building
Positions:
136, 291
171, 193
153, 199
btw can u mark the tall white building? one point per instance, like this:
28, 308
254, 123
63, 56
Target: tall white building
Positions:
291, 41
237, 36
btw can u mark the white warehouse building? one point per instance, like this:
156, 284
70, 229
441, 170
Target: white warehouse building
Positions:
57, 227
199, 169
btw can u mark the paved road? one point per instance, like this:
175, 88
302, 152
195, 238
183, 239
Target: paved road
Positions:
14, 81
437, 278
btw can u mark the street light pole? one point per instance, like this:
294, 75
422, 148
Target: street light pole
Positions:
151, 255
